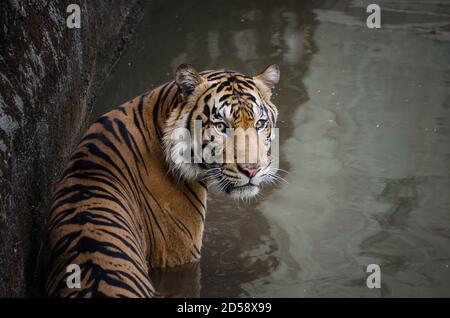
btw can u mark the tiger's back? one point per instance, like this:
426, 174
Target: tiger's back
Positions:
116, 202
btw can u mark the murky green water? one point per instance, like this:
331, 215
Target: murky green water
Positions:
364, 130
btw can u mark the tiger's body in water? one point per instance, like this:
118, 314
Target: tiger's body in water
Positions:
121, 207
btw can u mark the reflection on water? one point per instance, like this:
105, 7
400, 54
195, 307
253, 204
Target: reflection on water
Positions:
364, 131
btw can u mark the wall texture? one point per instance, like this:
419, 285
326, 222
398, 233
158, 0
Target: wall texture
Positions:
48, 78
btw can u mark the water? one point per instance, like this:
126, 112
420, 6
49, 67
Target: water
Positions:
364, 131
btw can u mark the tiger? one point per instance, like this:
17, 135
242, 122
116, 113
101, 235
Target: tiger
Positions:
125, 205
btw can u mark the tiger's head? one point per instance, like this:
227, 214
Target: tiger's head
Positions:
222, 128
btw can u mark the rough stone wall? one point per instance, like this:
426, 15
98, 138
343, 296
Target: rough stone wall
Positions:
48, 78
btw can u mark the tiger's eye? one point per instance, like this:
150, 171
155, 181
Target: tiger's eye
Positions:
260, 124
220, 127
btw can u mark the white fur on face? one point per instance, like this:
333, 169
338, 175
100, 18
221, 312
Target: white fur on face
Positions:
238, 188
222, 177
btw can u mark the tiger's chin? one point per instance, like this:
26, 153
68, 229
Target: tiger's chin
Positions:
243, 192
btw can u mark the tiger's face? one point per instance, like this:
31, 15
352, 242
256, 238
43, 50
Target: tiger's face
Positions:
222, 129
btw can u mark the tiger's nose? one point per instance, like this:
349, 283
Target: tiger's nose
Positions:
249, 169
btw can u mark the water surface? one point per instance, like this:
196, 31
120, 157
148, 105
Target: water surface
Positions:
364, 131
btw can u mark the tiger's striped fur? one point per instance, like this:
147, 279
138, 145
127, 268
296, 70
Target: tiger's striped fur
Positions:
120, 208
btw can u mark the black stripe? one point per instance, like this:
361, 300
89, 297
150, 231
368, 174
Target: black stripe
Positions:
195, 195
195, 206
107, 124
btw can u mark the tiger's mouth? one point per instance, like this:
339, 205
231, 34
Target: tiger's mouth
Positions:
238, 187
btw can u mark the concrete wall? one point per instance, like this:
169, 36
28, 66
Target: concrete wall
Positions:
48, 78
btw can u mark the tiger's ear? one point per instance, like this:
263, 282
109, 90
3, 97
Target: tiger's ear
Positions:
270, 76
187, 79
